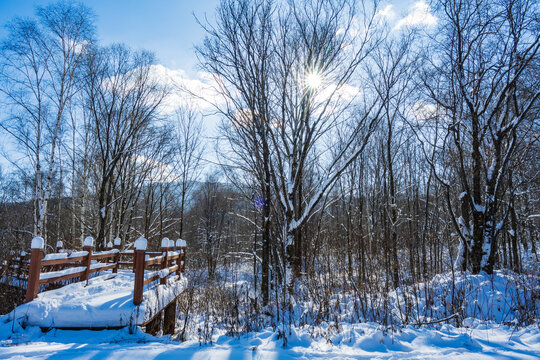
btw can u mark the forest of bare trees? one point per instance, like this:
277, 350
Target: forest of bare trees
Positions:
354, 157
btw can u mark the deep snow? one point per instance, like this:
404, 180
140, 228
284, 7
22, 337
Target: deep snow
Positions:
489, 308
362, 341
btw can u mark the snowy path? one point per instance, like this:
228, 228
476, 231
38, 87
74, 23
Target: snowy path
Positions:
363, 341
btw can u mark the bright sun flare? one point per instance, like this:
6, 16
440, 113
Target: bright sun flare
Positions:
313, 80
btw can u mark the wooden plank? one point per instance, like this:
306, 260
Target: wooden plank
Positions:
169, 318
139, 275
88, 260
171, 269
62, 261
33, 278
62, 277
154, 261
165, 263
150, 253
183, 259
102, 256
150, 279
116, 259
153, 317
154, 326
108, 267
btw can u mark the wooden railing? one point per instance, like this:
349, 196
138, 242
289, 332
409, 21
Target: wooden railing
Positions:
172, 261
64, 265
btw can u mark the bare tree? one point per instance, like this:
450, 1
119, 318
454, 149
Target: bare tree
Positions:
238, 52
188, 145
479, 83
40, 61
394, 66
317, 55
123, 100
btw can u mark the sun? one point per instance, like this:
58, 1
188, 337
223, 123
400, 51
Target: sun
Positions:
313, 80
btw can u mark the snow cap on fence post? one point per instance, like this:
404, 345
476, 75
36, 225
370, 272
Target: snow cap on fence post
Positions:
59, 244
109, 245
171, 243
165, 242
38, 243
117, 241
88, 241
181, 243
140, 243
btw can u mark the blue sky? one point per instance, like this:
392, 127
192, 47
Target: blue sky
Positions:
170, 30
166, 27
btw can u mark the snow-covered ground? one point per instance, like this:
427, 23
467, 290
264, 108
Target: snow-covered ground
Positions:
493, 311
362, 341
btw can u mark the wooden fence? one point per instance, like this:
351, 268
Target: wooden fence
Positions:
64, 265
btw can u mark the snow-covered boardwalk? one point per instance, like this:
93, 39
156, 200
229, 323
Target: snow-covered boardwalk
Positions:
106, 302
113, 298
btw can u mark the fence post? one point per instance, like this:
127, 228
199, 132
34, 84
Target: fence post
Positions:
165, 261
182, 255
20, 270
88, 245
117, 246
59, 246
140, 250
109, 248
35, 268
134, 260
178, 244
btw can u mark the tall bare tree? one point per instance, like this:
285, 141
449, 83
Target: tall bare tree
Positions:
123, 101
188, 145
478, 80
287, 76
40, 61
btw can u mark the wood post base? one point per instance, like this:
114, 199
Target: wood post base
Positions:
154, 325
169, 318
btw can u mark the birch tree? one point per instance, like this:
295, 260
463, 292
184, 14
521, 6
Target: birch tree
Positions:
40, 62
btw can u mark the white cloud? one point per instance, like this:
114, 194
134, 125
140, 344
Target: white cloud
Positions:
159, 172
423, 111
345, 93
196, 93
419, 14
387, 13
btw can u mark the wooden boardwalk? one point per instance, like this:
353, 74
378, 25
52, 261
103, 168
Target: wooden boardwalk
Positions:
107, 289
